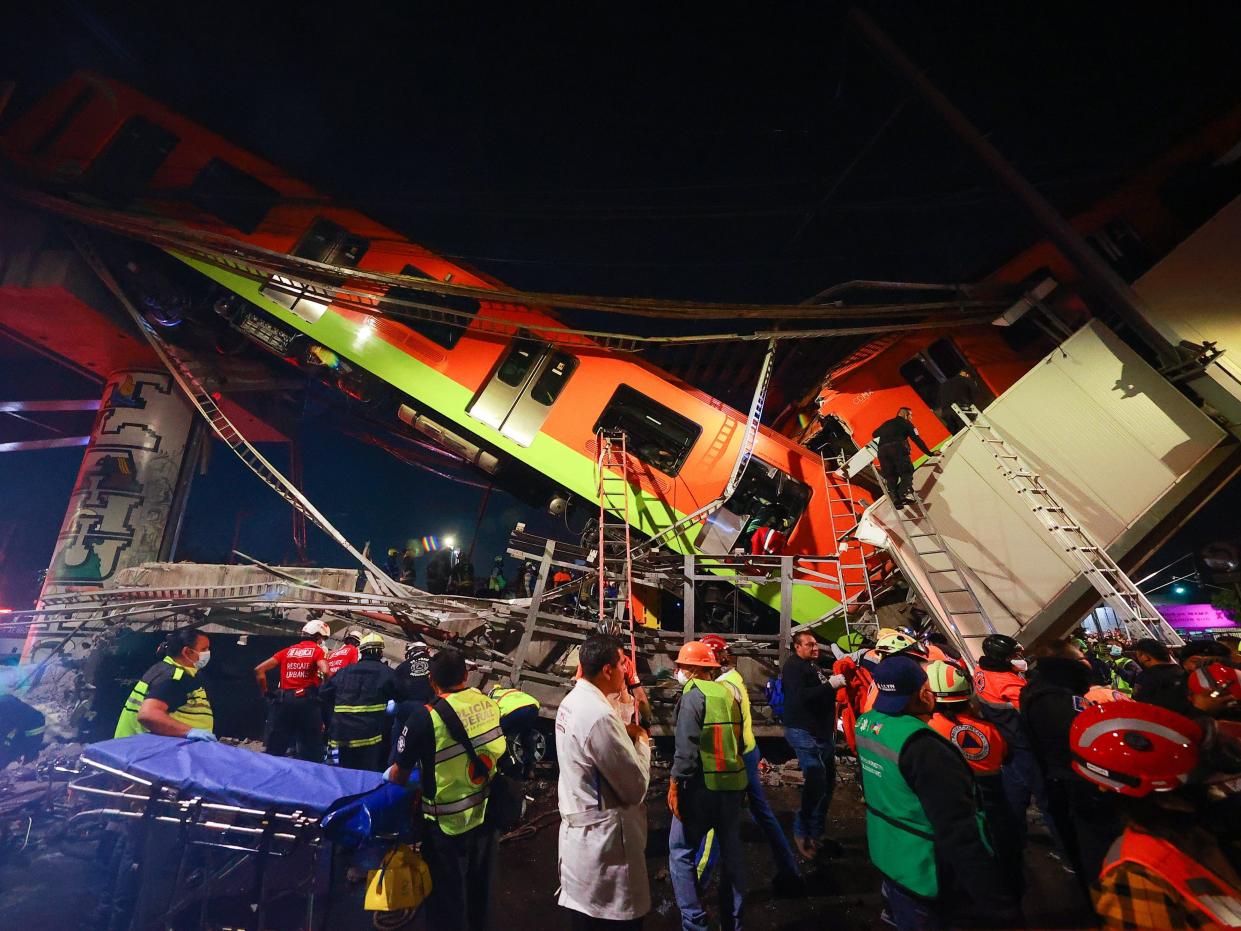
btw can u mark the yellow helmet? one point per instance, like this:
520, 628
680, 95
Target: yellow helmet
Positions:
885, 632
949, 683
372, 642
896, 643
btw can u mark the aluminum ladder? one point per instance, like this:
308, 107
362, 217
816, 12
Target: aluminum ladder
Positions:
190, 379
1118, 591
967, 620
615, 555
843, 518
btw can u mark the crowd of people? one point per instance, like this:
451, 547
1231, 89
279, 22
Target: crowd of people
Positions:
448, 572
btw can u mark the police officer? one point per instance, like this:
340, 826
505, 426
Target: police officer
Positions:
519, 718
459, 848
894, 463
168, 699
706, 785
984, 749
358, 696
296, 715
346, 654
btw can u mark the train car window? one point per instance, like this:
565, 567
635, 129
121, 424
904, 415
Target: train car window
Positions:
230, 194
130, 160
520, 360
62, 122
922, 379
657, 435
555, 376
765, 497
947, 358
325, 242
442, 333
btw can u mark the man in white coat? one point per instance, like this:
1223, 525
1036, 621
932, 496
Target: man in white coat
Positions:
605, 768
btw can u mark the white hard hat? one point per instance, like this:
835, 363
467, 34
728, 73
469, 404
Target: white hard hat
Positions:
355, 633
316, 629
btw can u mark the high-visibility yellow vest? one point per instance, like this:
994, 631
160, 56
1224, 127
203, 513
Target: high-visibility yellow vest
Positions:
460, 801
510, 700
196, 712
719, 747
735, 679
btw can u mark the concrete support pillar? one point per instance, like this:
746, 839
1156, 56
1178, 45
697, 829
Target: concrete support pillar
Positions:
127, 490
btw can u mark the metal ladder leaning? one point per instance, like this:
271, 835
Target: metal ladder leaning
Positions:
615, 555
843, 519
946, 574
188, 378
1116, 588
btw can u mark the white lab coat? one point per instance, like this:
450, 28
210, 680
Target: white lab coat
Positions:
603, 782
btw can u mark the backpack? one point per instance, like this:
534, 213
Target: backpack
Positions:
775, 697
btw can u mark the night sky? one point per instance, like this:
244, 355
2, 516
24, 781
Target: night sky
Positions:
755, 152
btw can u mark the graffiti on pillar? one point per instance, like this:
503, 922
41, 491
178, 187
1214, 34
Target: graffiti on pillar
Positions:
121, 501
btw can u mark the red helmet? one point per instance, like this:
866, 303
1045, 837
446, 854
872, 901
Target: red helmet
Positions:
1215, 681
1134, 748
716, 643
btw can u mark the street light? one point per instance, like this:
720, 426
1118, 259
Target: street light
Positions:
450, 542
1179, 589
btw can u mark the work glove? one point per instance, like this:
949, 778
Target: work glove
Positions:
390, 708
837, 681
674, 798
198, 733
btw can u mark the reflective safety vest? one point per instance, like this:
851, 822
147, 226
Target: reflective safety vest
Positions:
510, 700
737, 681
1198, 887
196, 712
898, 832
459, 802
719, 747
980, 742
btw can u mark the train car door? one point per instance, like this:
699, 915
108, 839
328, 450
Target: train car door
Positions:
325, 242
520, 393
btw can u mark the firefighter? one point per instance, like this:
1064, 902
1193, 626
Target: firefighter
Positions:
1167, 869
413, 685
358, 697
519, 718
346, 654
169, 699
296, 715
894, 463
705, 786
983, 746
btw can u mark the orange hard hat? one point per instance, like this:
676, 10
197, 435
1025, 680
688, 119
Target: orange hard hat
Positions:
697, 653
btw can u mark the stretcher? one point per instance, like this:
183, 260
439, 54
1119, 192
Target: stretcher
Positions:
209, 835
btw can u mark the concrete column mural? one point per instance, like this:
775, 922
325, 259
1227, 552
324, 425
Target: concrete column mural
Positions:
121, 503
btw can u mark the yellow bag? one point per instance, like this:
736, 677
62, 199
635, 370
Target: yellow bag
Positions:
402, 882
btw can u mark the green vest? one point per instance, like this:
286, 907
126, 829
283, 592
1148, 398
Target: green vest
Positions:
460, 800
723, 770
196, 712
737, 681
510, 700
898, 832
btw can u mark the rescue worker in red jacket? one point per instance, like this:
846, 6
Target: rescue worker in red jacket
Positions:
1166, 870
346, 654
998, 682
984, 748
296, 716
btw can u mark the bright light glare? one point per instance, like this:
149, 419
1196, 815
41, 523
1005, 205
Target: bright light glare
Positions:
450, 542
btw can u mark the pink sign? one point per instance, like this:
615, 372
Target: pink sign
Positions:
1196, 617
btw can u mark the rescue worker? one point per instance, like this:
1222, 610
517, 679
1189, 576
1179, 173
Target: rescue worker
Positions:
1121, 671
1166, 870
998, 682
392, 565
705, 786
787, 880
496, 583
519, 718
409, 572
895, 465
1161, 681
1215, 690
296, 715
459, 848
169, 700
1199, 652
605, 768
810, 728
923, 827
413, 687
981, 743
1085, 823
21, 730
345, 654
358, 697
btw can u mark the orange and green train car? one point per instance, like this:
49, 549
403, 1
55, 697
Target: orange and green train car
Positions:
502, 400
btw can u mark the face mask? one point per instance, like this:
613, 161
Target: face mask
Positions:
1020, 665
622, 706
203, 659
682, 676
1114, 650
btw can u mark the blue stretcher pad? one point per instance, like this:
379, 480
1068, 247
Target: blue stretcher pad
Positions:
230, 775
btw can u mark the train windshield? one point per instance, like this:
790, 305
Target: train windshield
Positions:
768, 497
